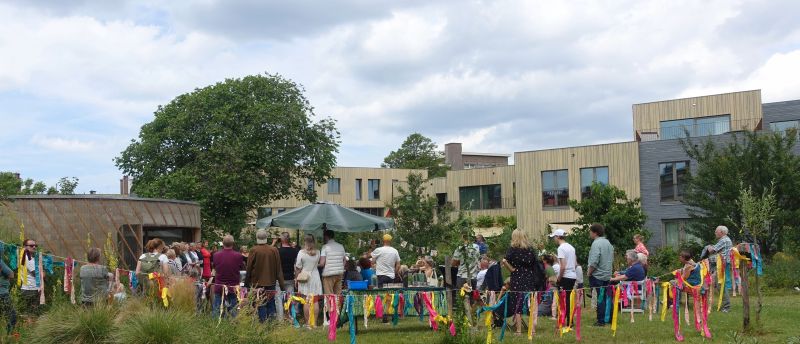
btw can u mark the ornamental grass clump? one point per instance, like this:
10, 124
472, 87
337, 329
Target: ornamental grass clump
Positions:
183, 295
157, 326
69, 324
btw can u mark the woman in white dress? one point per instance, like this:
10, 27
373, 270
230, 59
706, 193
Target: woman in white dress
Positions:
307, 261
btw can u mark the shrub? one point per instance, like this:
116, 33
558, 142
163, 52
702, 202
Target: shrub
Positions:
484, 221
502, 221
662, 261
183, 295
69, 324
157, 326
781, 272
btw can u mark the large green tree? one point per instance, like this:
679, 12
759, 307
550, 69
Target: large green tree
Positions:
758, 162
608, 205
231, 147
417, 152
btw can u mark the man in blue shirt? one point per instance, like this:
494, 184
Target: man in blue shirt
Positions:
722, 249
635, 270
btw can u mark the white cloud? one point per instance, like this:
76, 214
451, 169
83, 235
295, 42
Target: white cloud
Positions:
60, 144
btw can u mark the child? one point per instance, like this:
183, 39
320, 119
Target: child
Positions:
119, 292
173, 262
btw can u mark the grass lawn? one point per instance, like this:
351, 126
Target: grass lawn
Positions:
780, 324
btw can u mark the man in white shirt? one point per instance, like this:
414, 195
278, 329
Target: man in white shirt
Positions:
386, 261
567, 261
332, 258
30, 289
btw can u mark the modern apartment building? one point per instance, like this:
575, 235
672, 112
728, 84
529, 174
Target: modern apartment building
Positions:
653, 166
365, 189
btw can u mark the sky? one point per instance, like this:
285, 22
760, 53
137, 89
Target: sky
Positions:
79, 78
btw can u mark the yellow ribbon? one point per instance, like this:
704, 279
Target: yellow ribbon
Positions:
369, 306
532, 309
488, 323
312, 320
615, 312
664, 292
22, 269
287, 304
572, 303
165, 296
720, 280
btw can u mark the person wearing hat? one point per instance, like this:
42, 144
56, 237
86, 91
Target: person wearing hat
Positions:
567, 261
386, 261
263, 270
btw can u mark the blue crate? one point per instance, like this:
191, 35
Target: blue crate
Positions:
357, 285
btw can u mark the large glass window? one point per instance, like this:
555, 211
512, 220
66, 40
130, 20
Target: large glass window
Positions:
783, 126
675, 233
673, 178
371, 211
590, 175
264, 212
373, 189
358, 189
702, 126
555, 188
334, 187
480, 197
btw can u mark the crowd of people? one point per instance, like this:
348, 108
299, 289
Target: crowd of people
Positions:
308, 269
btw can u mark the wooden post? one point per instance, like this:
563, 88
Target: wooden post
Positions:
448, 281
745, 296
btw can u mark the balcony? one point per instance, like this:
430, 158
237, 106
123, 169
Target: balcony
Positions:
684, 130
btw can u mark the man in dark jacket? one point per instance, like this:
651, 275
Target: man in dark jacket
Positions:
263, 270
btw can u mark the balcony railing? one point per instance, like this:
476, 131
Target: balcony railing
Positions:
697, 130
494, 203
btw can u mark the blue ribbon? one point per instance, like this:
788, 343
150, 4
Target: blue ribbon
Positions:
609, 301
350, 318
134, 281
756, 259
293, 310
492, 308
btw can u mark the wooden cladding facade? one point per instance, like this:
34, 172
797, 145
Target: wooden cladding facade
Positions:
744, 108
64, 225
389, 178
503, 176
622, 160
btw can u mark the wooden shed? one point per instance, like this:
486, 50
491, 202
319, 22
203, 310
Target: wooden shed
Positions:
64, 224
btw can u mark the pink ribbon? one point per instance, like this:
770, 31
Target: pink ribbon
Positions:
333, 316
676, 321
431, 312
378, 307
577, 316
401, 305
453, 328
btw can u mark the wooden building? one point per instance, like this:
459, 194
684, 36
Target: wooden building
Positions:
64, 224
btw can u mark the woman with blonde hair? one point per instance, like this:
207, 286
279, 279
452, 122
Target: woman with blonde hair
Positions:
520, 260
306, 272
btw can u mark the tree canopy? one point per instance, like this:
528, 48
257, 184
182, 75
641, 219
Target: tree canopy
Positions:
11, 185
231, 147
609, 206
417, 152
762, 163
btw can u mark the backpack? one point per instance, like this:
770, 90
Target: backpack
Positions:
149, 263
539, 278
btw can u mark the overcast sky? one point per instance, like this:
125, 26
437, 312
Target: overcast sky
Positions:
79, 78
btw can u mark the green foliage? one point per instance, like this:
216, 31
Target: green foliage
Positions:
66, 186
751, 161
504, 221
70, 324
10, 185
156, 326
231, 147
415, 211
781, 272
417, 152
662, 261
498, 245
610, 207
484, 221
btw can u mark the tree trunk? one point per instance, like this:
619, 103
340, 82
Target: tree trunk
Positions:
745, 296
758, 307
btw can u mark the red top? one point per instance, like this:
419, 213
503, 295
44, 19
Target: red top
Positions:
640, 248
206, 262
227, 266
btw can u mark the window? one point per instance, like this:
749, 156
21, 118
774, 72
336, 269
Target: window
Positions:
675, 233
673, 178
358, 189
281, 210
480, 197
371, 211
264, 212
702, 126
441, 199
310, 186
473, 165
373, 189
590, 175
333, 186
555, 188
784, 126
